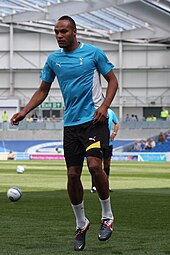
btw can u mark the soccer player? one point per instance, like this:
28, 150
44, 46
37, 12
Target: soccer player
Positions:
77, 67
113, 125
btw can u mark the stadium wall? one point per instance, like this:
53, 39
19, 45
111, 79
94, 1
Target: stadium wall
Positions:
129, 134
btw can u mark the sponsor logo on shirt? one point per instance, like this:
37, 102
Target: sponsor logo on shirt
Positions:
58, 64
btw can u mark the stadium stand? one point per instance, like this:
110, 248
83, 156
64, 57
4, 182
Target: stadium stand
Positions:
164, 147
160, 147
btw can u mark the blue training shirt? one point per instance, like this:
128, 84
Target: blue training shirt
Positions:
112, 118
78, 75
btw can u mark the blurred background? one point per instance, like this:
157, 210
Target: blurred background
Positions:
135, 35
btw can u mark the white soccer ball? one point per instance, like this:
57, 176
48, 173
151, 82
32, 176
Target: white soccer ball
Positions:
20, 169
14, 194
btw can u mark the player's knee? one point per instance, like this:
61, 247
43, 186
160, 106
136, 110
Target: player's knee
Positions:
94, 168
73, 174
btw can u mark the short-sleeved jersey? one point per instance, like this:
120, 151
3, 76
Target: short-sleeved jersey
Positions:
112, 119
78, 74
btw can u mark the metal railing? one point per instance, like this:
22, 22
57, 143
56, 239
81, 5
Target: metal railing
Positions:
58, 125
158, 124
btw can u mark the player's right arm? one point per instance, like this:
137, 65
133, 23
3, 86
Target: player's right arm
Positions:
115, 130
38, 97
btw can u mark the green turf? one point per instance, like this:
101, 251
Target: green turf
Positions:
42, 222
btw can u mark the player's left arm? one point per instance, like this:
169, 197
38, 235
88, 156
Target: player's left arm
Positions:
101, 113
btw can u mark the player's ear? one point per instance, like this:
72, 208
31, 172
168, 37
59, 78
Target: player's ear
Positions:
74, 31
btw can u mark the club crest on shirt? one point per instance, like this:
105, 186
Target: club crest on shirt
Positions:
81, 61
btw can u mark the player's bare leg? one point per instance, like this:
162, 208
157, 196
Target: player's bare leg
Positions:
99, 176
106, 163
102, 185
74, 185
75, 191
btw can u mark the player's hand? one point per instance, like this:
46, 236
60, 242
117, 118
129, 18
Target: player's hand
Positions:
100, 115
112, 137
17, 117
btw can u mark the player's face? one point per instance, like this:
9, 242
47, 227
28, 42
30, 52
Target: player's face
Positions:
65, 34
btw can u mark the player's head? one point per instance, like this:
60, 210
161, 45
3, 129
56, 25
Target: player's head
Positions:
68, 18
65, 31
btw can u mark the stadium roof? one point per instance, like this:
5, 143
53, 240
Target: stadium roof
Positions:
136, 21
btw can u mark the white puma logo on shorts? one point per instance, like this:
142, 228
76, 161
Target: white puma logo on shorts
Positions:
92, 138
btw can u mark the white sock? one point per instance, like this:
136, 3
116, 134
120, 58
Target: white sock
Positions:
80, 215
106, 209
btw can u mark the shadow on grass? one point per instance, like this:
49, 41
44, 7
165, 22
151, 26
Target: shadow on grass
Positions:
42, 223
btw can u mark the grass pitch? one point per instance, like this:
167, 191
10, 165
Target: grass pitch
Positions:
42, 221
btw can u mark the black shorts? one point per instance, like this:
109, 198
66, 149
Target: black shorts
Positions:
107, 152
85, 140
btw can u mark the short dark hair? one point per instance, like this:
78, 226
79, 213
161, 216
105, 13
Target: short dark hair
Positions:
65, 17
